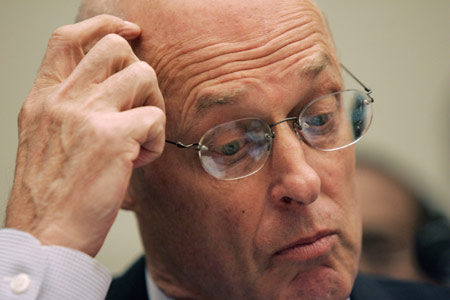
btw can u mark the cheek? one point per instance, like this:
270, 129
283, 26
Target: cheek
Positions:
338, 184
204, 220
337, 174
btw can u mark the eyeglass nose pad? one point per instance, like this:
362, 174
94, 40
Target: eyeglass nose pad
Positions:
269, 137
297, 127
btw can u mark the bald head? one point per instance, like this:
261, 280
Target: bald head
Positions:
184, 38
92, 8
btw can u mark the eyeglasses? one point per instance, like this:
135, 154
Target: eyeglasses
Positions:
240, 148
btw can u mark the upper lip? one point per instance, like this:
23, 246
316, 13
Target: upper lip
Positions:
306, 240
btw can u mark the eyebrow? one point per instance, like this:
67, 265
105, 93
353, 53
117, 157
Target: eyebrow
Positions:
313, 68
207, 101
317, 65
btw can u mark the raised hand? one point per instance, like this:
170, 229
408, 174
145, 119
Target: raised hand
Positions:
94, 113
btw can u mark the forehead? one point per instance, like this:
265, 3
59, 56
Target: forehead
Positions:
182, 20
196, 45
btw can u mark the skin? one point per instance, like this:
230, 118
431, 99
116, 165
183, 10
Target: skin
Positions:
204, 238
95, 109
211, 239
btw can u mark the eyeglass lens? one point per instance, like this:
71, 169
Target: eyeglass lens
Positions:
235, 149
240, 148
336, 120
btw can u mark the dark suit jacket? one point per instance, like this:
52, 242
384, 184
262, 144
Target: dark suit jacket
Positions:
132, 286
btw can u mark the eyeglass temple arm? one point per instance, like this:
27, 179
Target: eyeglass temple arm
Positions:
367, 89
181, 145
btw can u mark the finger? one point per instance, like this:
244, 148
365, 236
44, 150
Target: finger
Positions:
110, 55
87, 33
136, 85
68, 44
147, 127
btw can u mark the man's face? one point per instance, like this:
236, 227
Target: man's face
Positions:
290, 231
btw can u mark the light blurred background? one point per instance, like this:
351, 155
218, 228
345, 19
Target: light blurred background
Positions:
401, 49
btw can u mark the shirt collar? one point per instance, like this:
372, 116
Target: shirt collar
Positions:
154, 293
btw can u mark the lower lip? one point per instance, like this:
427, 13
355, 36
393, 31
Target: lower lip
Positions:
305, 252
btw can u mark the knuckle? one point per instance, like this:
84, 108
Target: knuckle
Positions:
99, 129
159, 115
115, 40
95, 128
24, 113
157, 119
146, 72
104, 128
143, 67
54, 113
63, 37
115, 44
159, 147
62, 33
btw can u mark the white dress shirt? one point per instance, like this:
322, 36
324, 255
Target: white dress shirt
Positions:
29, 270
154, 293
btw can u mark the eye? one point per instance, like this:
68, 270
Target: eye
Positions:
230, 153
318, 120
321, 117
230, 148
320, 124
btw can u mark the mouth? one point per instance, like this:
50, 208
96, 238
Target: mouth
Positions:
309, 248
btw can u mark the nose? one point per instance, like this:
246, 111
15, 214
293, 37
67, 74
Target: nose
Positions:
293, 179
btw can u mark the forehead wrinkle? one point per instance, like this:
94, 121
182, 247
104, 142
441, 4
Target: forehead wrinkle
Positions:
237, 69
206, 102
311, 69
185, 65
198, 56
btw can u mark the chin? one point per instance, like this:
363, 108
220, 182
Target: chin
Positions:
323, 283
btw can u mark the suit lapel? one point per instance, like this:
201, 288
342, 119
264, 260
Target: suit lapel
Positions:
130, 286
367, 289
